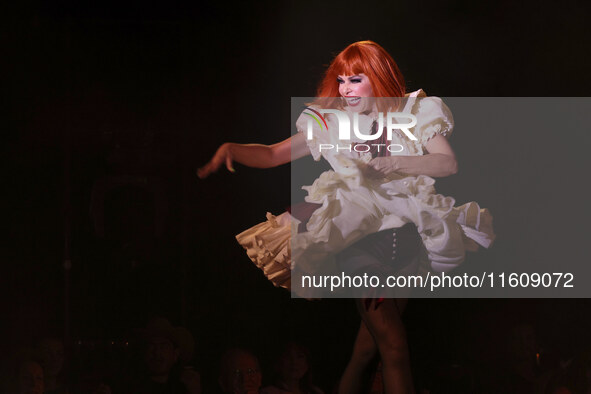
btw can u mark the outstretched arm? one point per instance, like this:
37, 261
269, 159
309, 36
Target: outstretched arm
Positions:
439, 162
256, 155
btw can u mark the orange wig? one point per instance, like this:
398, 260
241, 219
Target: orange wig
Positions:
368, 58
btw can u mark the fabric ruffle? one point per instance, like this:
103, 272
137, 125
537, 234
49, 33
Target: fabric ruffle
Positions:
268, 246
433, 117
353, 207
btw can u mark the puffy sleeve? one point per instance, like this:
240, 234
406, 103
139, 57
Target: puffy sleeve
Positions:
310, 116
433, 117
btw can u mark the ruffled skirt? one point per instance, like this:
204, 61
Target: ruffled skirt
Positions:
352, 207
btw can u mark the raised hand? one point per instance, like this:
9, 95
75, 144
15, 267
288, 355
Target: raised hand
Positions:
222, 155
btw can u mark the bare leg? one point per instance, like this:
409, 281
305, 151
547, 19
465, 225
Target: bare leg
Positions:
385, 325
356, 376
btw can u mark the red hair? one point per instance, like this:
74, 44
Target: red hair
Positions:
368, 58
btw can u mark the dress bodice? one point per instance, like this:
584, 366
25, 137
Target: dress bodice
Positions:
432, 117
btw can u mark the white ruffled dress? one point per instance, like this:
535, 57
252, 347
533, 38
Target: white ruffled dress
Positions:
354, 206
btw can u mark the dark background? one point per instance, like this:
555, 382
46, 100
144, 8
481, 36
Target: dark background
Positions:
137, 95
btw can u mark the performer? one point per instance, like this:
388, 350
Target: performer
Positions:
376, 212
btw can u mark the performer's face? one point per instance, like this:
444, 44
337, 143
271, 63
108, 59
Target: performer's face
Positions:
353, 88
